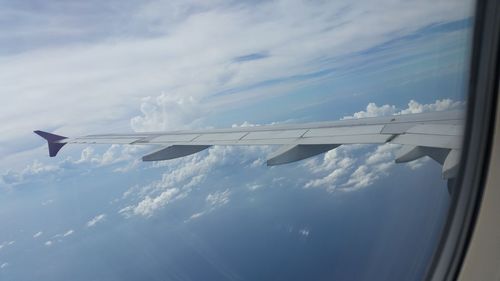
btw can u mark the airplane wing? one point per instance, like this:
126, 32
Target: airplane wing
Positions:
436, 134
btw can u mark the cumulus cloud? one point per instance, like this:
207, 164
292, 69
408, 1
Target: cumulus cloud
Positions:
150, 204
97, 219
182, 175
439, 105
214, 201
48, 243
35, 170
337, 163
373, 110
38, 234
114, 154
127, 155
218, 198
4, 265
166, 113
339, 169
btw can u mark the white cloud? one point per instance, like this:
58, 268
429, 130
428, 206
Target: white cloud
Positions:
150, 204
68, 233
93, 81
253, 187
372, 110
97, 219
6, 243
183, 174
48, 243
218, 198
439, 105
304, 232
38, 234
4, 265
166, 113
128, 155
33, 171
337, 163
214, 201
341, 170
196, 215
114, 154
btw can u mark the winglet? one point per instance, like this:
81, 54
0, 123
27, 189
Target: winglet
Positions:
52, 141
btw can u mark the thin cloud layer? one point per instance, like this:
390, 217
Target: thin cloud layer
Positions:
97, 219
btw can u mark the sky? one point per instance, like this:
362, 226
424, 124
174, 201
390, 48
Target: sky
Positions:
99, 213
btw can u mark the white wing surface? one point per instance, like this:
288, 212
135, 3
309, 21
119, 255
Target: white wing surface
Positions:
436, 134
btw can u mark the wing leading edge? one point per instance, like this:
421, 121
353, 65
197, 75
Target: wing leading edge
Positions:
436, 134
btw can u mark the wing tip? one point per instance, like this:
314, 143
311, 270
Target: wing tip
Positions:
52, 141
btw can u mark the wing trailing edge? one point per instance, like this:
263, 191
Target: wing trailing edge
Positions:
174, 151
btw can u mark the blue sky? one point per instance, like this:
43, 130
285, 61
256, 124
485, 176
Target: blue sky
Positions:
98, 213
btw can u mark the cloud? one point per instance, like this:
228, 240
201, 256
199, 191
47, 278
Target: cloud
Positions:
128, 155
97, 219
7, 243
48, 243
114, 154
183, 174
91, 78
4, 265
372, 110
34, 171
337, 163
340, 169
304, 232
196, 215
439, 105
253, 187
38, 234
218, 198
150, 204
62, 235
214, 201
166, 113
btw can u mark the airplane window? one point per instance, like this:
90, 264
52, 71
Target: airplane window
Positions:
223, 140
